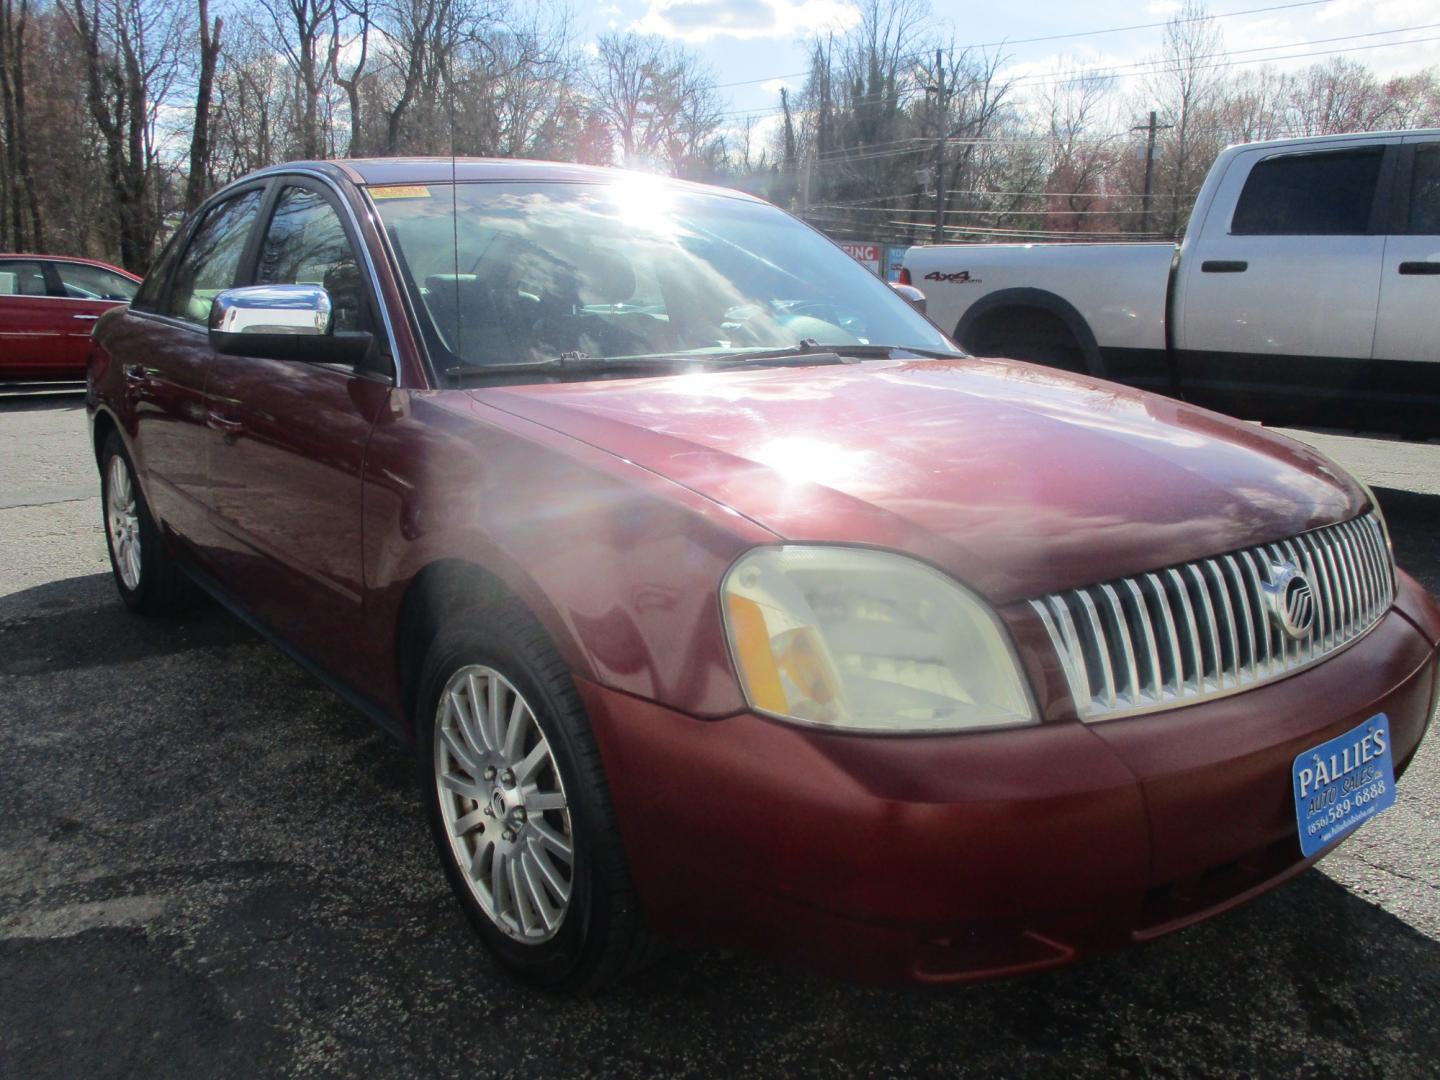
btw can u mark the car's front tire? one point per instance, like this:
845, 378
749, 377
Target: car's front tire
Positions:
146, 574
519, 806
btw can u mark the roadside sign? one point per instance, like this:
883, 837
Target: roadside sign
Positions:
870, 256
894, 260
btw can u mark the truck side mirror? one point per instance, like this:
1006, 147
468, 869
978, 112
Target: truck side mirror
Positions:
911, 295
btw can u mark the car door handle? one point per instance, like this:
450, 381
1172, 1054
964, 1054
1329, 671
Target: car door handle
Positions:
227, 427
1420, 268
87, 318
134, 372
1224, 266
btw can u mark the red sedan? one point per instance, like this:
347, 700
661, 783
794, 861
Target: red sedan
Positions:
724, 600
48, 306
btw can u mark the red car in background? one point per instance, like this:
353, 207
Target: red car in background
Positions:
723, 599
48, 305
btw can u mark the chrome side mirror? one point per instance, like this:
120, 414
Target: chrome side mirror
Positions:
911, 295
272, 309
283, 322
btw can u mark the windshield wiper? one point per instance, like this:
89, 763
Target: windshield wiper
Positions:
809, 348
580, 363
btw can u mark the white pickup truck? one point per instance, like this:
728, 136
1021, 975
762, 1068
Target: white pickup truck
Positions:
1306, 290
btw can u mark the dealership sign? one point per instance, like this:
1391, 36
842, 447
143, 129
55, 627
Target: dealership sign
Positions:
870, 256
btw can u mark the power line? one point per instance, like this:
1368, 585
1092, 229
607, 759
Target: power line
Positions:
1266, 59
1162, 67
1148, 26
1061, 37
1107, 72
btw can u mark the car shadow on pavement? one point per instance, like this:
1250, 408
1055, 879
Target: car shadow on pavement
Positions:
1414, 521
80, 622
210, 864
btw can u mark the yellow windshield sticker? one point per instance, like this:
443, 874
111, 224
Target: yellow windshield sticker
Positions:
400, 191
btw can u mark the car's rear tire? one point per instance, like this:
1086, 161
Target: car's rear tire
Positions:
147, 576
510, 870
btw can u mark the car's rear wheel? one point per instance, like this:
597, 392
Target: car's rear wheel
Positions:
519, 804
146, 574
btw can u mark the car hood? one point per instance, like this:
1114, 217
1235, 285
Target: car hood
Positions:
1018, 480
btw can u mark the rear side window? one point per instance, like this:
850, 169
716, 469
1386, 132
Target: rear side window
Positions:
306, 245
1425, 191
212, 257
1326, 194
21, 277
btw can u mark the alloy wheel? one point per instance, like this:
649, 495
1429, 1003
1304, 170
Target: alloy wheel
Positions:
122, 522
503, 804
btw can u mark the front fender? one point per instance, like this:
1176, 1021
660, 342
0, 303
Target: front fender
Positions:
621, 566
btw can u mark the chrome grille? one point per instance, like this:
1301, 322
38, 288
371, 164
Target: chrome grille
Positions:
1191, 632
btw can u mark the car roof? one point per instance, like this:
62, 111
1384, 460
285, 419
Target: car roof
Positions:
68, 258
378, 172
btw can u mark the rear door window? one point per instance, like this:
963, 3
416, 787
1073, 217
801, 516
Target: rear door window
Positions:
22, 277
1425, 191
1324, 194
212, 258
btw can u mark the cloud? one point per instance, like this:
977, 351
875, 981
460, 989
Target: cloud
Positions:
697, 21
590, 49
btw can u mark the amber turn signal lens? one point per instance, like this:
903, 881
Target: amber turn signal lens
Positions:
752, 652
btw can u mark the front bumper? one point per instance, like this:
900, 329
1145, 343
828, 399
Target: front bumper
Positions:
946, 858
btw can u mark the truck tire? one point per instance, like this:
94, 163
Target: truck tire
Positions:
1026, 334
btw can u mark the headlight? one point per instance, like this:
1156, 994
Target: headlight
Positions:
862, 640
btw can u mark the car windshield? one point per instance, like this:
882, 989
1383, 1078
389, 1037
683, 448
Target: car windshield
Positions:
508, 274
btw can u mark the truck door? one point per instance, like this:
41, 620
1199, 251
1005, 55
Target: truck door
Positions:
1410, 271
1277, 303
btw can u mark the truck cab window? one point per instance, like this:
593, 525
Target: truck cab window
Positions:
1324, 194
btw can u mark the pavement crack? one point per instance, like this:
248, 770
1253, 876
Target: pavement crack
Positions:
1393, 872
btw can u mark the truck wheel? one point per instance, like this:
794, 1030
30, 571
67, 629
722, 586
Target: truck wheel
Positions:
1026, 334
520, 807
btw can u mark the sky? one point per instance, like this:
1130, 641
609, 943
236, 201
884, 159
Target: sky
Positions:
754, 47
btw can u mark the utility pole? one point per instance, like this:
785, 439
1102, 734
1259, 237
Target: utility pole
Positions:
1150, 129
944, 97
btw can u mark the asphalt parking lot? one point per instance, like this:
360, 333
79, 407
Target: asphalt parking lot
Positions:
209, 865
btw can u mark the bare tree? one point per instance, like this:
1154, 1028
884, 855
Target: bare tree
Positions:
21, 221
1337, 96
249, 111
657, 100
1186, 88
197, 181
303, 27
1080, 150
354, 14
132, 52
